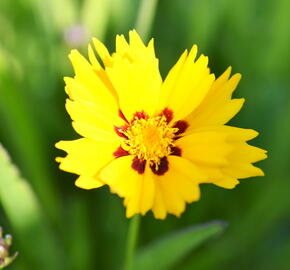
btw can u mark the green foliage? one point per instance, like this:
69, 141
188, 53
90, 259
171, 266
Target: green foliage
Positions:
25, 215
164, 253
57, 226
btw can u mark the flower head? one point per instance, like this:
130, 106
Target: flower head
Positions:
153, 141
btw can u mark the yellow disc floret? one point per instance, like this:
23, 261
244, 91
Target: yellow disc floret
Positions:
149, 139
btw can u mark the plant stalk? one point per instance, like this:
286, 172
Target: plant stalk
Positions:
132, 238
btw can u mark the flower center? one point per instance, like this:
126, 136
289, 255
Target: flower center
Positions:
149, 139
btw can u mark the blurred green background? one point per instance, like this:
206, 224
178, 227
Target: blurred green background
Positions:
62, 227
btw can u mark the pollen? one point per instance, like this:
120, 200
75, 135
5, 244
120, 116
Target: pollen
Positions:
149, 139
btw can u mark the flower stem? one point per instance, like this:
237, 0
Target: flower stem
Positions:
132, 238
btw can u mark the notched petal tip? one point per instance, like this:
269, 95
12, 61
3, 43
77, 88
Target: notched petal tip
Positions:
192, 53
259, 172
59, 159
58, 145
252, 134
211, 78
135, 39
204, 58
151, 43
88, 182
121, 44
133, 32
92, 57
73, 53
227, 184
235, 79
228, 71
130, 214
66, 79
161, 217
183, 55
242, 100
101, 50
238, 76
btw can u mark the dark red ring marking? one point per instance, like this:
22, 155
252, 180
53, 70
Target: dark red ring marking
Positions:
119, 130
162, 168
120, 152
176, 151
140, 115
121, 115
138, 165
168, 114
182, 127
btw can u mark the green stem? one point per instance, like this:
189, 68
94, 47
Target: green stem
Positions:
132, 238
145, 17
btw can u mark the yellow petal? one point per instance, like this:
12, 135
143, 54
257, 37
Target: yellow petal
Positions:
102, 52
235, 134
218, 107
88, 182
137, 84
85, 156
92, 57
88, 85
94, 132
91, 114
159, 207
207, 147
247, 153
241, 159
232, 148
176, 187
121, 44
169, 83
135, 76
226, 182
243, 170
147, 191
137, 189
187, 84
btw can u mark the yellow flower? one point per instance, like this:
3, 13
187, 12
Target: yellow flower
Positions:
153, 141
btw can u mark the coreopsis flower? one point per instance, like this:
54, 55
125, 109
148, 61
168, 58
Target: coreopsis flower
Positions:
153, 141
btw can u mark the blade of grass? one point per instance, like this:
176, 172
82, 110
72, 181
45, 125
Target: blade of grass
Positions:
145, 17
79, 235
26, 217
168, 251
22, 133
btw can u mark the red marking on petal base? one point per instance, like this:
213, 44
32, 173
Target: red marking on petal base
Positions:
119, 130
182, 126
140, 115
139, 165
120, 152
176, 151
122, 116
162, 168
168, 114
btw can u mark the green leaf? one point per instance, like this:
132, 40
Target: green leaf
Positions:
169, 250
26, 217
